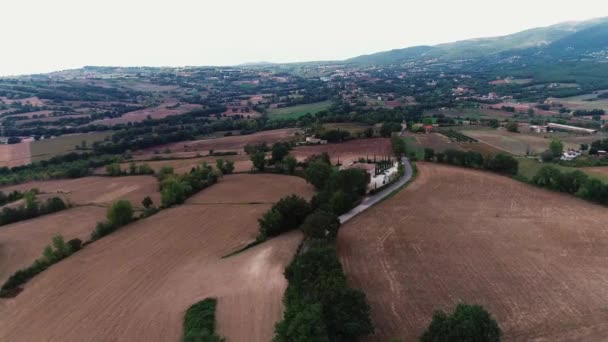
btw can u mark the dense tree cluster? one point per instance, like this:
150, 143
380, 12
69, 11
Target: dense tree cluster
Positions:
199, 322
466, 323
287, 214
319, 304
500, 163
176, 188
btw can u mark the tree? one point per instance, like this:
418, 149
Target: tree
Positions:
429, 154
113, 169
165, 172
512, 127
279, 151
584, 147
503, 163
321, 225
61, 249
290, 163
270, 223
557, 148
466, 323
132, 168
398, 145
368, 132
259, 160
318, 173
546, 156
120, 213
305, 324
147, 202
388, 128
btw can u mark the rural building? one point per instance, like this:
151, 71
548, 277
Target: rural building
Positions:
567, 128
570, 155
315, 141
538, 129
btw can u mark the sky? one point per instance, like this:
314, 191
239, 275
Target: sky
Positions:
42, 35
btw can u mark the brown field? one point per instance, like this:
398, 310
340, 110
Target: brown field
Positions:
347, 152
21, 243
55, 118
137, 283
537, 260
158, 112
15, 154
31, 114
241, 164
34, 101
232, 143
515, 143
97, 190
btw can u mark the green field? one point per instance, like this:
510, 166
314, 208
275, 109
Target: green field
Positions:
48, 148
528, 167
413, 147
297, 111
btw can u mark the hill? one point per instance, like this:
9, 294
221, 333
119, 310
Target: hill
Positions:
590, 34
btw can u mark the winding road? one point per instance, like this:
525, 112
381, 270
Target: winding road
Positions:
369, 201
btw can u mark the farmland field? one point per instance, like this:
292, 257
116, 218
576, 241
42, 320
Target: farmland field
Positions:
136, 283
15, 154
184, 165
529, 167
159, 112
231, 143
297, 111
514, 143
535, 259
21, 243
352, 128
48, 148
349, 151
97, 190
586, 101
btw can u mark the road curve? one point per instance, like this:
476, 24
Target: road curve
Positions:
369, 201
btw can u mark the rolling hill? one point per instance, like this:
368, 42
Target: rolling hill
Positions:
564, 38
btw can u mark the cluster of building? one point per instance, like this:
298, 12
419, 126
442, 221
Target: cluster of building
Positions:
559, 127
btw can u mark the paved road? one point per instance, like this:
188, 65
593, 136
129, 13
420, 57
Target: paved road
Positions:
369, 201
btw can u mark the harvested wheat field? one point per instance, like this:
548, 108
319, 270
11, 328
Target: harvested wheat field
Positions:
184, 165
22, 242
136, 284
97, 190
537, 260
231, 143
349, 151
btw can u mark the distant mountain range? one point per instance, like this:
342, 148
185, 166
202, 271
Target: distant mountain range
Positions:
565, 39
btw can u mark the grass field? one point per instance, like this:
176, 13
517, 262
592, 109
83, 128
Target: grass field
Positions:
352, 128
297, 111
48, 148
528, 167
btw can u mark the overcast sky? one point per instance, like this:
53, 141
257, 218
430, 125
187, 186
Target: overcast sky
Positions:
48, 35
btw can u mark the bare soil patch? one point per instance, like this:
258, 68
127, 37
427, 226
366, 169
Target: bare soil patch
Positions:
137, 283
537, 260
21, 243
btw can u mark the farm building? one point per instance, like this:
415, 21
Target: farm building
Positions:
570, 155
567, 128
315, 141
538, 129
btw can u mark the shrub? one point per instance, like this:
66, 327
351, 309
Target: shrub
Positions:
259, 161
466, 323
147, 202
74, 245
120, 213
290, 163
